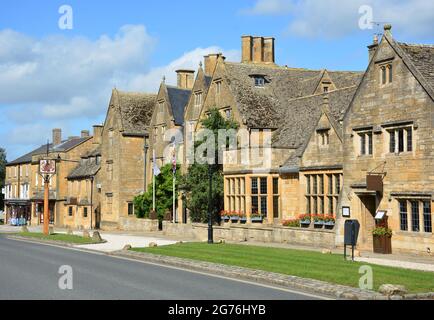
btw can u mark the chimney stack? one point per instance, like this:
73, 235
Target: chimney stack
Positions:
97, 134
257, 49
185, 79
373, 48
211, 62
57, 136
84, 133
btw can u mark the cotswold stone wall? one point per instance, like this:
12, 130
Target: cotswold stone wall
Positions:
256, 233
134, 224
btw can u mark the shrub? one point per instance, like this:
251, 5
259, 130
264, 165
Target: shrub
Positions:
305, 217
382, 231
295, 223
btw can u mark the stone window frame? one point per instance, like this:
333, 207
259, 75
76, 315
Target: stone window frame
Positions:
320, 202
406, 138
323, 136
218, 86
130, 205
407, 226
85, 212
198, 98
236, 193
364, 143
385, 71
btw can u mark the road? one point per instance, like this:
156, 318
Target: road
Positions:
31, 271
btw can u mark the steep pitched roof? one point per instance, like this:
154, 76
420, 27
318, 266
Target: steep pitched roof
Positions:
264, 107
27, 158
178, 99
135, 110
422, 57
302, 117
88, 168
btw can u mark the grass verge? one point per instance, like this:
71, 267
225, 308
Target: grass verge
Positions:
306, 264
74, 239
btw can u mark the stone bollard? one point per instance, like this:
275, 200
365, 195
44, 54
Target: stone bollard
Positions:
127, 247
24, 229
96, 237
86, 234
50, 230
152, 245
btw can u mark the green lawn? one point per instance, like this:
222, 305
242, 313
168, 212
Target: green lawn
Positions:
58, 237
306, 264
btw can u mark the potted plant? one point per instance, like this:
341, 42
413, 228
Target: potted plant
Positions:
235, 216
329, 221
382, 240
318, 220
256, 218
294, 223
305, 220
224, 216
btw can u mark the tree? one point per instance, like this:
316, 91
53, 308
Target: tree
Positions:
2, 175
196, 181
163, 195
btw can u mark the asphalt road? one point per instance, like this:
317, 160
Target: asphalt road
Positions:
31, 271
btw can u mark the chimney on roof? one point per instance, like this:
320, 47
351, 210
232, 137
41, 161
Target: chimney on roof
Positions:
57, 136
211, 62
97, 134
185, 79
373, 48
257, 50
387, 29
84, 133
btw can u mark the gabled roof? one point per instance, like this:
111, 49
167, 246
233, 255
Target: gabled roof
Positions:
88, 168
27, 158
135, 110
264, 107
302, 117
178, 100
422, 57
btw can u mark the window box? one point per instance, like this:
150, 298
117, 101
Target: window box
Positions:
329, 225
259, 219
243, 220
305, 223
235, 218
225, 218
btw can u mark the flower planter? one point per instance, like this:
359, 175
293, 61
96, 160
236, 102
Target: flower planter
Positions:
383, 244
318, 224
329, 225
305, 223
235, 219
225, 218
243, 220
257, 220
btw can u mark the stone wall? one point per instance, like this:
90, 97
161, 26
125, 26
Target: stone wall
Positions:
256, 233
134, 224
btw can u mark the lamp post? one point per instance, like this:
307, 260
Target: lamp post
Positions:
210, 230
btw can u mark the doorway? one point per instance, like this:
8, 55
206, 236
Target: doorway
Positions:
368, 204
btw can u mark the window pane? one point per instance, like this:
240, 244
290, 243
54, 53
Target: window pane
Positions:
409, 139
337, 184
307, 184
362, 144
331, 209
403, 215
392, 141
415, 216
321, 205
275, 185
321, 184
263, 185
401, 140
390, 73
315, 205
276, 206
254, 185
330, 180
308, 209
315, 184
370, 143
427, 221
264, 205
255, 206
383, 75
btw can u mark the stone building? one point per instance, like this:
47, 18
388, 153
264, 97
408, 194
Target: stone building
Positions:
280, 105
388, 137
123, 136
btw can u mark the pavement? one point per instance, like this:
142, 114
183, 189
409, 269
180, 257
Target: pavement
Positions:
31, 271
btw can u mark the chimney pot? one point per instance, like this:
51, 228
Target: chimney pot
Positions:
211, 62
84, 133
57, 136
97, 133
257, 49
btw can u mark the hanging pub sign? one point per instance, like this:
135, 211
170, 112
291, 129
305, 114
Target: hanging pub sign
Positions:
374, 182
47, 167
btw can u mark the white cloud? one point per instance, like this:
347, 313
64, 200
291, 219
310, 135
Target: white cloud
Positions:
64, 82
336, 18
270, 7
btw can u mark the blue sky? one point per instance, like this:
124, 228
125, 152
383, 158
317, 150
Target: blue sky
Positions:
63, 78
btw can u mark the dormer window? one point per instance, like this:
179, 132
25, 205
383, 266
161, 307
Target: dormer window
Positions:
198, 99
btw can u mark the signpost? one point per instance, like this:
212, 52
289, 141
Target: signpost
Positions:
47, 168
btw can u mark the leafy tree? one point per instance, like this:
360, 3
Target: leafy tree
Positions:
163, 194
2, 174
196, 181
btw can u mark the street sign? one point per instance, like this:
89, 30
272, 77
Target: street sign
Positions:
47, 167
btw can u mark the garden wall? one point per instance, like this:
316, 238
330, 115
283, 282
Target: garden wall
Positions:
134, 224
257, 233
